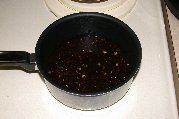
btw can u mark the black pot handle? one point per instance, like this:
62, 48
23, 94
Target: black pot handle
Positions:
18, 60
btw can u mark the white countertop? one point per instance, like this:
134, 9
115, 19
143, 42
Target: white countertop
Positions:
174, 27
24, 95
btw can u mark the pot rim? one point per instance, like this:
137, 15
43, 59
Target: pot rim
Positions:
94, 14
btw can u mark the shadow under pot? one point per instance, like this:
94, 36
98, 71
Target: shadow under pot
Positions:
88, 60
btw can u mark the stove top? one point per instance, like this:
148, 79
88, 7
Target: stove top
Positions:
24, 95
117, 8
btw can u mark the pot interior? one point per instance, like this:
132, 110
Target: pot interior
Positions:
88, 53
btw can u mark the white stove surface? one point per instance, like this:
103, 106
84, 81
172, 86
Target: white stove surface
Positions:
25, 96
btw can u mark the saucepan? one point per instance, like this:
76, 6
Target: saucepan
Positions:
88, 60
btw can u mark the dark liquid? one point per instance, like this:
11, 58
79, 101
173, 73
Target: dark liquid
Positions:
88, 64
